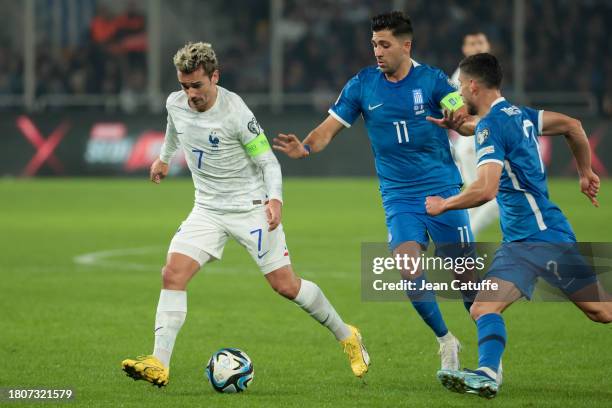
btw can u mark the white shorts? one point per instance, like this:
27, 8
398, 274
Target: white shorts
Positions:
465, 156
204, 234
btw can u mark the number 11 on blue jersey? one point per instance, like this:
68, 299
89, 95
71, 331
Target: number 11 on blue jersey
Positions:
405, 139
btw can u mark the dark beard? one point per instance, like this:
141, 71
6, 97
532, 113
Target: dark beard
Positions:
471, 109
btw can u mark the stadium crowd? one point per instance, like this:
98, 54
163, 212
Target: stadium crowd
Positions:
109, 58
326, 42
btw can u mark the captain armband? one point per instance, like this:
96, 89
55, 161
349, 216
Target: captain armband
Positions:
257, 146
452, 102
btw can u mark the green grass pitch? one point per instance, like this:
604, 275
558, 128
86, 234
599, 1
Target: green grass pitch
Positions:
67, 324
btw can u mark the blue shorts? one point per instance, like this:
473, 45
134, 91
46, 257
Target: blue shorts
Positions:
407, 220
552, 255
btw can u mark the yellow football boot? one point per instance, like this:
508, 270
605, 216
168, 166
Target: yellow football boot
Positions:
357, 353
147, 368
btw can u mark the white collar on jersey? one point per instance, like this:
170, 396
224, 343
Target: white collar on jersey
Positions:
414, 64
498, 100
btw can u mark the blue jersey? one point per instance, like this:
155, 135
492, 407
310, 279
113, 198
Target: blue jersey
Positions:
508, 136
412, 155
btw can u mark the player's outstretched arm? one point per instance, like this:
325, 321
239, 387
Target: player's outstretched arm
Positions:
459, 121
483, 190
554, 123
316, 140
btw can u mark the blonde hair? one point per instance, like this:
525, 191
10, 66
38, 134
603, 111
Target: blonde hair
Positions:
195, 55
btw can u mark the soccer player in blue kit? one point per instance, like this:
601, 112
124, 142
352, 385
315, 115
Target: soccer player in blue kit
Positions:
538, 239
412, 157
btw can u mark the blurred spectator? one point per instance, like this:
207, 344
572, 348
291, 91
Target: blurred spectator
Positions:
331, 39
568, 47
109, 59
11, 69
244, 55
103, 27
119, 45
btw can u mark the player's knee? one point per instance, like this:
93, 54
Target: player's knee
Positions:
475, 311
172, 277
479, 309
288, 288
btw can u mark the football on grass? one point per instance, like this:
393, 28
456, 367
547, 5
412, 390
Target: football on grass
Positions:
229, 370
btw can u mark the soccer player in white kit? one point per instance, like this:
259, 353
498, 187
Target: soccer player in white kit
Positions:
238, 194
474, 42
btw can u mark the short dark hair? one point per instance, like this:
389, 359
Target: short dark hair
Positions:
484, 67
473, 31
396, 21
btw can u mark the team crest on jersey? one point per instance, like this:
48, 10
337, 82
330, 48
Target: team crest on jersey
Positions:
482, 135
417, 98
213, 139
254, 127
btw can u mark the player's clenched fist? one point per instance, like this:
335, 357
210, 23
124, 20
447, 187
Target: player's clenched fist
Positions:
159, 170
290, 145
434, 205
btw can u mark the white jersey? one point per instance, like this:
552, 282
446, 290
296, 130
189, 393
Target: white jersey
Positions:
225, 176
455, 78
463, 148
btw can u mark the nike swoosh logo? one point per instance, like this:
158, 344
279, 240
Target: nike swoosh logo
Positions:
160, 327
569, 283
370, 107
262, 255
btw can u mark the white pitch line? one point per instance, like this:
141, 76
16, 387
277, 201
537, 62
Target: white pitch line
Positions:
109, 259
104, 258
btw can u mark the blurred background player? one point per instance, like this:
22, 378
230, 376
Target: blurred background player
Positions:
535, 231
474, 42
238, 194
412, 156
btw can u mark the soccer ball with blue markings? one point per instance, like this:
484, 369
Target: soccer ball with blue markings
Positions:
229, 370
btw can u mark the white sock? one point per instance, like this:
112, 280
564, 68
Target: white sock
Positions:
481, 217
171, 313
312, 300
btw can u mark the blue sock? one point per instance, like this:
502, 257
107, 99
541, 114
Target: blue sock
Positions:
424, 301
491, 340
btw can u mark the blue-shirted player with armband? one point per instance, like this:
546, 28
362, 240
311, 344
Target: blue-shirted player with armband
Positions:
412, 156
538, 239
